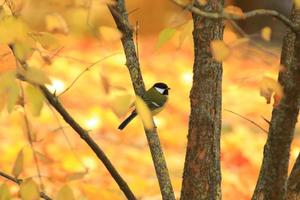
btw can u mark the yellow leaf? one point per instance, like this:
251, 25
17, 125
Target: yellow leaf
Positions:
120, 102
22, 50
109, 33
9, 89
35, 75
12, 30
29, 190
219, 50
164, 36
234, 10
35, 99
65, 193
18, 166
55, 23
266, 33
144, 112
268, 87
4, 192
47, 40
297, 4
77, 175
202, 2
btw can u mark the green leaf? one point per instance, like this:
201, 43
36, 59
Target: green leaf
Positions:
4, 192
23, 50
65, 193
29, 190
164, 36
35, 99
18, 166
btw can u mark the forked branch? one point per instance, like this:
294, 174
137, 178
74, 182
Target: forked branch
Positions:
246, 15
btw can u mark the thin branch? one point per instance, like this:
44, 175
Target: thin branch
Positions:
85, 70
30, 140
249, 120
19, 181
246, 15
53, 100
120, 16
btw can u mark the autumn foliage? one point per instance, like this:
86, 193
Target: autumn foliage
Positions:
73, 49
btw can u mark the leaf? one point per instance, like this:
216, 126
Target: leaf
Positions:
35, 75
266, 33
12, 29
109, 34
234, 10
164, 36
297, 4
22, 50
268, 87
55, 23
29, 190
144, 112
65, 193
120, 102
47, 40
219, 50
77, 176
35, 99
9, 89
4, 192
18, 165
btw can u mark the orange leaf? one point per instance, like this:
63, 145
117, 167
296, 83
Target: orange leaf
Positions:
219, 50
202, 2
55, 23
269, 87
297, 4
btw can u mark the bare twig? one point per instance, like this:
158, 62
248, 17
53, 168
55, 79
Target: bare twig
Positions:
19, 181
85, 70
246, 15
249, 120
53, 100
120, 16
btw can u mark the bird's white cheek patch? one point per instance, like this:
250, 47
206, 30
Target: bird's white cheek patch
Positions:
160, 90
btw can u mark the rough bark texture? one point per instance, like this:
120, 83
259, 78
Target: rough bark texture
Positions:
202, 174
120, 16
293, 186
273, 174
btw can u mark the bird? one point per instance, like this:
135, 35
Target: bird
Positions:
156, 97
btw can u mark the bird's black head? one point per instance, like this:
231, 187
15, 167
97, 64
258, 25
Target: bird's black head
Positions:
162, 88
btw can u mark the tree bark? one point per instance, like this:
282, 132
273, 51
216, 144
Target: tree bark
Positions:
120, 16
202, 174
293, 186
273, 174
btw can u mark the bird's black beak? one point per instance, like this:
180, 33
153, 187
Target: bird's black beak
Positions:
169, 88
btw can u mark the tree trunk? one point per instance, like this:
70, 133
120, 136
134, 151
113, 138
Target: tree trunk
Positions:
293, 186
273, 174
202, 174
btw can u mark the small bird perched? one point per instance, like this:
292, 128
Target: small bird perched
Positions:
155, 98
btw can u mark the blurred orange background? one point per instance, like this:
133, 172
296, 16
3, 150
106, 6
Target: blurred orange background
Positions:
95, 99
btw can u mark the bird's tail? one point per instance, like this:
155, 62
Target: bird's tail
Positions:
127, 120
